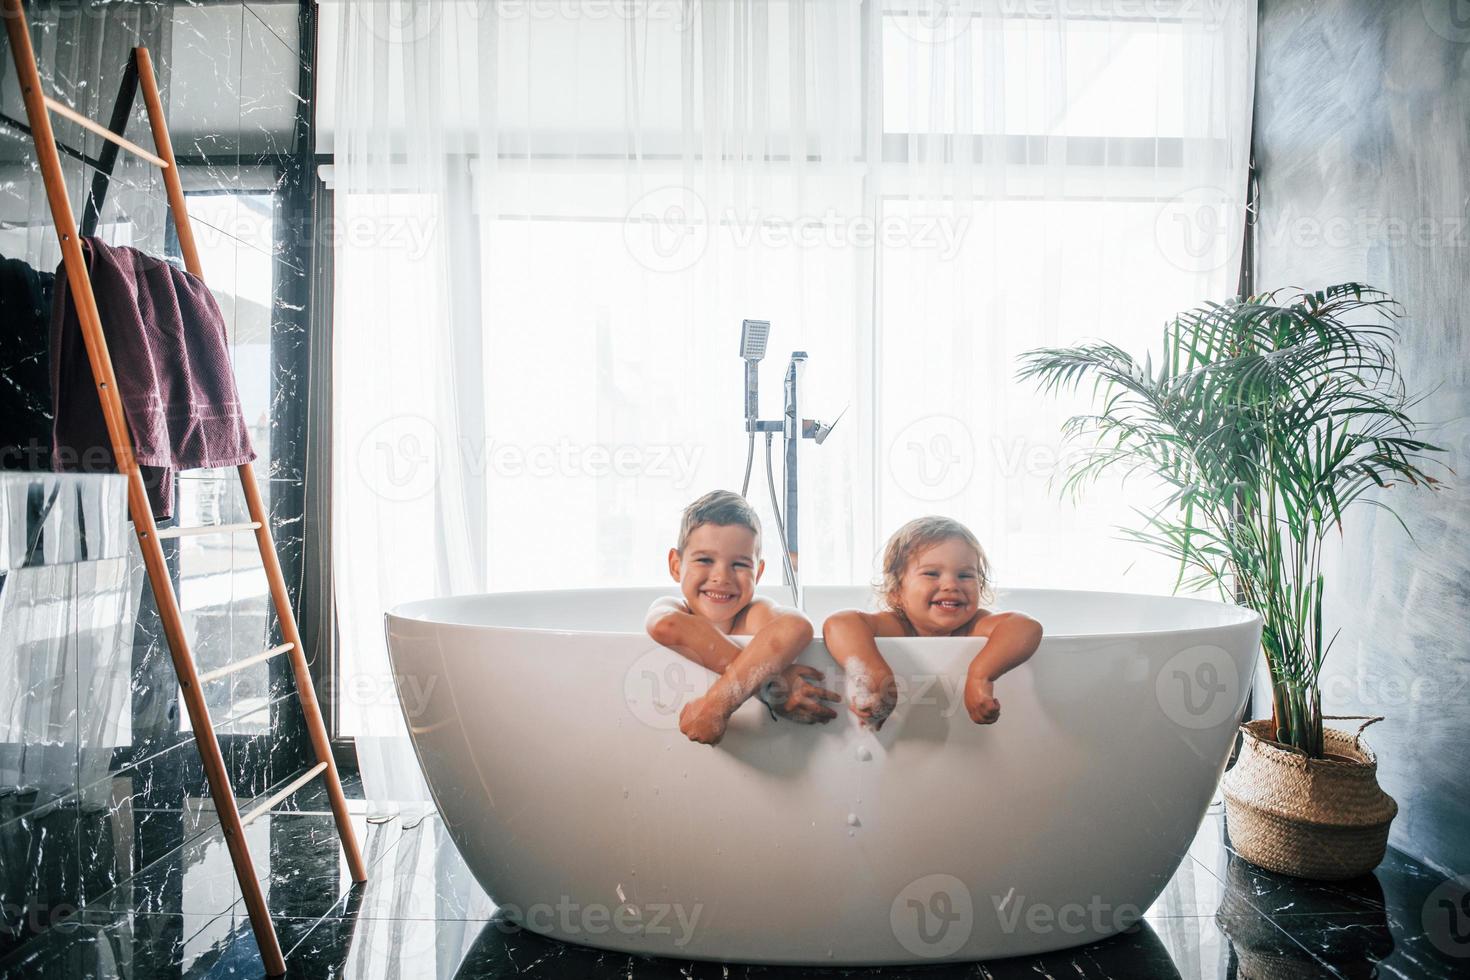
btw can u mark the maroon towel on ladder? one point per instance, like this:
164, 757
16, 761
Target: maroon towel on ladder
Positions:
167, 341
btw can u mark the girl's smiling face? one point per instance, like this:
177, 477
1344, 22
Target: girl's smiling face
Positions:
718, 570
939, 590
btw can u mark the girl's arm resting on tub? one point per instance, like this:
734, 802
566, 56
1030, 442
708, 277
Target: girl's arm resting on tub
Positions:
690, 636
1012, 638
851, 637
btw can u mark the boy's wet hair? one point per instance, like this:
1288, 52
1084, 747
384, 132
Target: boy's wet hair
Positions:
723, 508
914, 537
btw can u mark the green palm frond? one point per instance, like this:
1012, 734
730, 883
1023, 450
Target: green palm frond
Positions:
1266, 418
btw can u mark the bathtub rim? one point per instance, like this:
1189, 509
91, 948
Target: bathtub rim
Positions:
413, 611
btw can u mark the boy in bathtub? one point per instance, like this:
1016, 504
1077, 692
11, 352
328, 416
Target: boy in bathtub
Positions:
717, 564
935, 575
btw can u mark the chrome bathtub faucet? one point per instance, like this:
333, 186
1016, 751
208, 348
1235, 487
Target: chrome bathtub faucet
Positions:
793, 428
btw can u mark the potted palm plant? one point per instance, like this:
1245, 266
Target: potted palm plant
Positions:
1266, 418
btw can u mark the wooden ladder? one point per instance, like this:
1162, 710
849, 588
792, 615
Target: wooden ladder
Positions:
39, 107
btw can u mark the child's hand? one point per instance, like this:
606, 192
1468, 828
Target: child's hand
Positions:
794, 694
980, 700
702, 720
872, 694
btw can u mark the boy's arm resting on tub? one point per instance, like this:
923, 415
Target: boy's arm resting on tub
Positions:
777, 634
779, 637
690, 636
794, 692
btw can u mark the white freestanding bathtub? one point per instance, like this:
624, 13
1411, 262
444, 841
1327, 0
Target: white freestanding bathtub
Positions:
547, 727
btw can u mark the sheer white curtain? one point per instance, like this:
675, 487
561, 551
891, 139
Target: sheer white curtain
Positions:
551, 218
1089, 160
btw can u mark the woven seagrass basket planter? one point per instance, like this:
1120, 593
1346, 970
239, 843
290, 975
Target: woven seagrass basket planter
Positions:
1325, 819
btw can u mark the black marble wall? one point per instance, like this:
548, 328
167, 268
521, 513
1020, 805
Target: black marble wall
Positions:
1363, 144
237, 91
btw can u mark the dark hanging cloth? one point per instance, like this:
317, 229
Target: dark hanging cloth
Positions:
25, 367
167, 341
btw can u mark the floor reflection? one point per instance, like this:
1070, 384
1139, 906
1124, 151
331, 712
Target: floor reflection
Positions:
422, 915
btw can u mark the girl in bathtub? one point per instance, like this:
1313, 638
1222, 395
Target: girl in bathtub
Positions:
935, 576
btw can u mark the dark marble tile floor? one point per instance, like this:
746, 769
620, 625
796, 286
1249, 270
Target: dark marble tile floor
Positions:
421, 915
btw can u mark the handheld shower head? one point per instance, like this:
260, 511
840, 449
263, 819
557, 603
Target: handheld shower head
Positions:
753, 334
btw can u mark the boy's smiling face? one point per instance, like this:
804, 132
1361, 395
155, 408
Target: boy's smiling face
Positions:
718, 570
940, 588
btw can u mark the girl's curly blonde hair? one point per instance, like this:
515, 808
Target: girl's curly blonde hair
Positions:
913, 538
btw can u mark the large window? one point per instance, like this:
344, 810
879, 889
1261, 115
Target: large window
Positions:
540, 283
